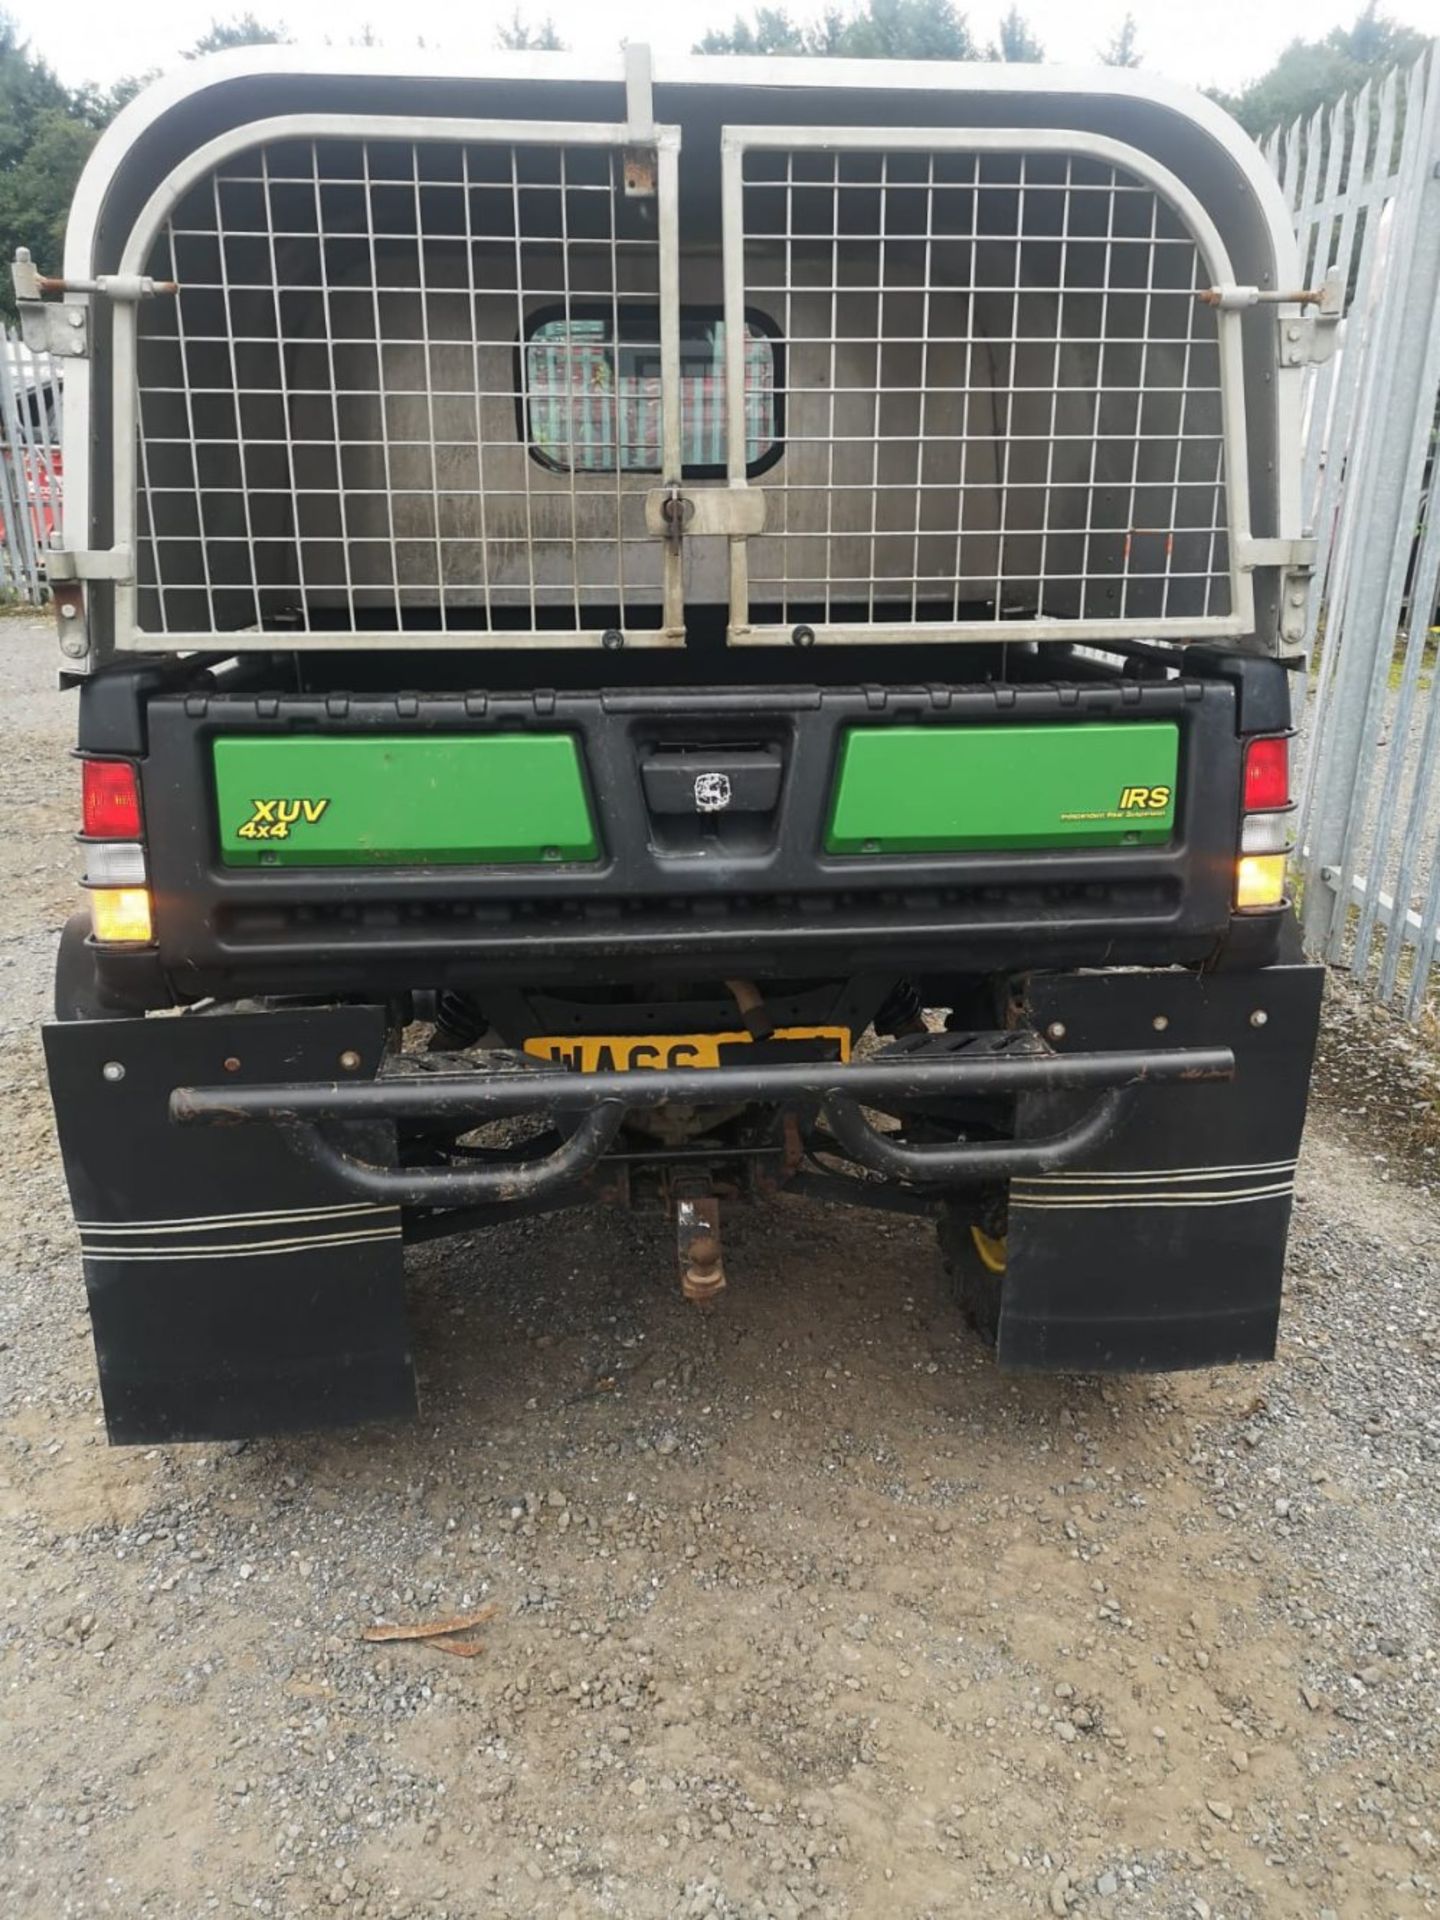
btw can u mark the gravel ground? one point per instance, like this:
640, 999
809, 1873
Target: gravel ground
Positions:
802, 1609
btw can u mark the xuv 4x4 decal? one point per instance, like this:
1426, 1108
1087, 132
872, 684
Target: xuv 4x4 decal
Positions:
273, 819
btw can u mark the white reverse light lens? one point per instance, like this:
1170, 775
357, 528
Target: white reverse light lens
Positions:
114, 863
1265, 833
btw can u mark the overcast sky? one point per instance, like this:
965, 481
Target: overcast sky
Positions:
1205, 42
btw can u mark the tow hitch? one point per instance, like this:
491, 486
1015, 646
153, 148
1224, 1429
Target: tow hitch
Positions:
697, 1242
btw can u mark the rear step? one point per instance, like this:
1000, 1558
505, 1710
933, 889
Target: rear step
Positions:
939, 1065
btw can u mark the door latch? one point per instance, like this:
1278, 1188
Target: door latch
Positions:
727, 512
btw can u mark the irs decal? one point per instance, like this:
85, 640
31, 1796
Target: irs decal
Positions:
1144, 799
1133, 803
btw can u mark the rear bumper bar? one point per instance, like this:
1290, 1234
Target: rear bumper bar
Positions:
595, 1105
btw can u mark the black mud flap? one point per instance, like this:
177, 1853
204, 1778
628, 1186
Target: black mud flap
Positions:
1165, 1249
234, 1288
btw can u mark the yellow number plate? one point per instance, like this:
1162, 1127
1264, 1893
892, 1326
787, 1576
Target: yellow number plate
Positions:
624, 1052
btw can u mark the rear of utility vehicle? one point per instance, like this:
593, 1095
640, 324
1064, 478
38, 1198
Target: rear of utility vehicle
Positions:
663, 637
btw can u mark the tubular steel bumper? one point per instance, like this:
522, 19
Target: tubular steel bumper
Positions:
595, 1106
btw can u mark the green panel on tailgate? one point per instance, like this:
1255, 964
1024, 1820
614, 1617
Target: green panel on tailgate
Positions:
329, 800
938, 789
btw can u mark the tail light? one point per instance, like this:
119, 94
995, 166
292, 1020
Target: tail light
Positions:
1267, 774
1264, 825
121, 913
110, 800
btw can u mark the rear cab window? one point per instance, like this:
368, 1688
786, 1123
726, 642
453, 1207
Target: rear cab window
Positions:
590, 390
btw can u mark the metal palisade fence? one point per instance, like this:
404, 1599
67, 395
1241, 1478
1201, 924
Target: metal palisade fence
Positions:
30, 402
1363, 181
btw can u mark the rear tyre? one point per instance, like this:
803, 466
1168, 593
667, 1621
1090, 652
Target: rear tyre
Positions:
972, 1245
76, 995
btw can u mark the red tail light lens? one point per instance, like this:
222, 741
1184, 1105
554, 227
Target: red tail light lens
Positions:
111, 800
1267, 775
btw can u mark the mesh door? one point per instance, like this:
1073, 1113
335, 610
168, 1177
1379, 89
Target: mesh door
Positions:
333, 431
1003, 397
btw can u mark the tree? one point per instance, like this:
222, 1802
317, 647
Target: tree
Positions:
1123, 50
773, 32
44, 142
1313, 73
241, 30
908, 30
35, 195
27, 89
879, 30
98, 106
518, 36
1015, 41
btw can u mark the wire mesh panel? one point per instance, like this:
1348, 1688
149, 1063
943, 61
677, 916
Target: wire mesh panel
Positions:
1004, 401
345, 424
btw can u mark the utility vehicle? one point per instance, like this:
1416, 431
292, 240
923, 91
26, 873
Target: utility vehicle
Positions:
666, 633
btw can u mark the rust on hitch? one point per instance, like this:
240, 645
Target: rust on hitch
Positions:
697, 1243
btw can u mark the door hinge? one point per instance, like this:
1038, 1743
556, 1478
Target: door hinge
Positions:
1305, 339
639, 166
62, 326
102, 563
1310, 339
68, 569
58, 327
1295, 556
1296, 562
